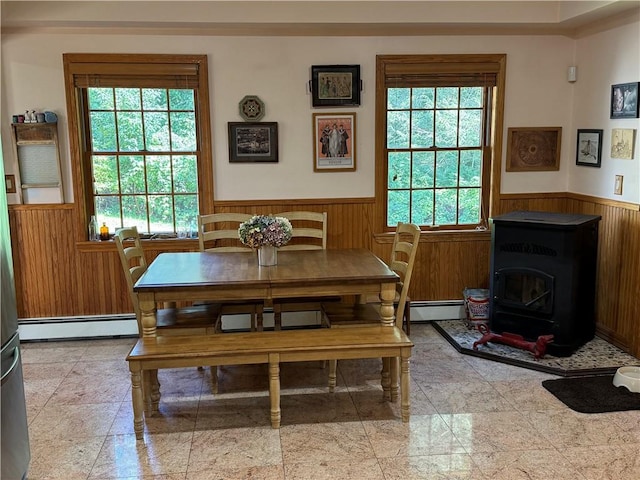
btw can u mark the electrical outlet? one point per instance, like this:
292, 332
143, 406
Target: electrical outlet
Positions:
617, 188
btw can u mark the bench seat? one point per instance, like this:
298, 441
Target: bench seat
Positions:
272, 348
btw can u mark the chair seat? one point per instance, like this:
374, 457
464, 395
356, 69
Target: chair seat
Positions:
350, 314
197, 316
340, 314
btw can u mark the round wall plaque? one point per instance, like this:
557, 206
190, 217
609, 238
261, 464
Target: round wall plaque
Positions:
251, 108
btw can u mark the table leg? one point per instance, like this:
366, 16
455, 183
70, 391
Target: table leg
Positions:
274, 389
404, 390
393, 367
333, 375
148, 318
137, 400
387, 315
386, 379
155, 390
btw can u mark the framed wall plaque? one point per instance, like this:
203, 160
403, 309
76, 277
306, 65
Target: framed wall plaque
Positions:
622, 143
533, 149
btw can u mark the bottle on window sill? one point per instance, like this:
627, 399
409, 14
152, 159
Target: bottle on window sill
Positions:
104, 232
93, 229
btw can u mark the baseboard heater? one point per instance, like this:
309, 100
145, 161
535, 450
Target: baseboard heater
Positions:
124, 325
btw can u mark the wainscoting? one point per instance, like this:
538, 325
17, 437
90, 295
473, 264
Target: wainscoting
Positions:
59, 275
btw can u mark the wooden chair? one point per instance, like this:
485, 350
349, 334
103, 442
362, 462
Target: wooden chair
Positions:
403, 255
196, 320
309, 233
218, 232
193, 320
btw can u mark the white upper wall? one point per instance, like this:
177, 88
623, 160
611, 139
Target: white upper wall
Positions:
605, 59
277, 69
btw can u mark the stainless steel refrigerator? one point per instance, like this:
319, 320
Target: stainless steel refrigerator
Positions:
15, 453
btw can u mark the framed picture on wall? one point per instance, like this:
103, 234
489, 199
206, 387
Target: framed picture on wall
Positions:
334, 142
624, 100
533, 149
623, 143
589, 148
335, 85
253, 142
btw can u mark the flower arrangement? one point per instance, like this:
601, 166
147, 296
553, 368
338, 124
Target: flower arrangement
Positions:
262, 230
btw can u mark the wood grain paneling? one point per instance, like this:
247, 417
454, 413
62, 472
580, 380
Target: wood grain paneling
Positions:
618, 276
59, 277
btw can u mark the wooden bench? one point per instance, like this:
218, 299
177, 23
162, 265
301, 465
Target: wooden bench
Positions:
272, 348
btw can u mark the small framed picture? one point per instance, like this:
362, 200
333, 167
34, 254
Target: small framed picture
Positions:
589, 148
624, 100
334, 142
335, 85
533, 149
10, 183
253, 142
623, 143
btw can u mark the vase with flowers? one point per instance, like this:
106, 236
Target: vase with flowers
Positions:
265, 233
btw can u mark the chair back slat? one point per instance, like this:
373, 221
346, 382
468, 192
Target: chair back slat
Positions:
219, 232
309, 230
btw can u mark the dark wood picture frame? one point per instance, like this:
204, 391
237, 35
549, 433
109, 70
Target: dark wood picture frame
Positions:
624, 100
334, 142
533, 149
589, 148
335, 85
253, 142
10, 183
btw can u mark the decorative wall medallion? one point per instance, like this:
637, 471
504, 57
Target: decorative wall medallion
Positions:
251, 108
532, 149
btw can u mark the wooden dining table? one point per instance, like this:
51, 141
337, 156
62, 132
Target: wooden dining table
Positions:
230, 276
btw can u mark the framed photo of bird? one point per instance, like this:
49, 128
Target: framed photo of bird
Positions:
589, 148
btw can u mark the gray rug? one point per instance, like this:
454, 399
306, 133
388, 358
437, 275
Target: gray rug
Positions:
596, 357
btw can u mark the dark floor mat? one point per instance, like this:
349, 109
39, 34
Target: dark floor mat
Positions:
596, 394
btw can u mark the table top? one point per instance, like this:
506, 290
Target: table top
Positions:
180, 270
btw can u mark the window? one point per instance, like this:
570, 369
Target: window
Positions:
141, 134
435, 131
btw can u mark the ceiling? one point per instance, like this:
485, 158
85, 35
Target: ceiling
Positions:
317, 18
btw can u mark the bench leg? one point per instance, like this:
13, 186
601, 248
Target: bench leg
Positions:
137, 400
274, 389
404, 388
333, 367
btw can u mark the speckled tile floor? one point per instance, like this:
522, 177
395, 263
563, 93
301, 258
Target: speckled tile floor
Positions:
471, 419
595, 357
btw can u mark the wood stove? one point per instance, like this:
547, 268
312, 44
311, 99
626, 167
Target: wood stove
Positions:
543, 278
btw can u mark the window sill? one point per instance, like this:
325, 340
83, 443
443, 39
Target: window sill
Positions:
169, 245
435, 236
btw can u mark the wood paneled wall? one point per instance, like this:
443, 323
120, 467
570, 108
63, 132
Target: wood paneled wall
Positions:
58, 276
618, 275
